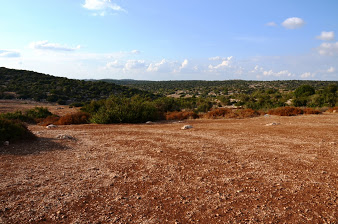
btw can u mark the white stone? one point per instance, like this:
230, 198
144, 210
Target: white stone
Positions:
186, 127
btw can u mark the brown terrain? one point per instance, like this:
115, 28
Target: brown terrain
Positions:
220, 171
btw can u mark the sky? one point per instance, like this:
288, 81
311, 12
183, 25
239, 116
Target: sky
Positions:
172, 40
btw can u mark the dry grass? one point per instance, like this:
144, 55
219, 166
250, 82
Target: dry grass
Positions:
231, 113
74, 118
53, 119
181, 115
286, 111
333, 110
292, 111
311, 111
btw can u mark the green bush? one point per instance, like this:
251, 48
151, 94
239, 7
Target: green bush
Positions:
29, 116
123, 110
38, 112
11, 130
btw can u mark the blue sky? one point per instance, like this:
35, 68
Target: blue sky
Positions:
172, 40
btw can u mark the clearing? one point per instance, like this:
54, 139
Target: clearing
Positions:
220, 171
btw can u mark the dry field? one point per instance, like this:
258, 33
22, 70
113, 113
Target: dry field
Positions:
220, 171
22, 105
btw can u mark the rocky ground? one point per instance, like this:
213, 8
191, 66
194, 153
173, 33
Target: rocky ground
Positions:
261, 170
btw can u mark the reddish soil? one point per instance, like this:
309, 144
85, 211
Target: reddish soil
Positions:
220, 171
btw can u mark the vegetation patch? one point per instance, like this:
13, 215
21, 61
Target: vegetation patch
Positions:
292, 111
12, 130
181, 115
333, 110
74, 118
123, 110
232, 113
32, 116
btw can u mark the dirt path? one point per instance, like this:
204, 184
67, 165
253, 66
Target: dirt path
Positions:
220, 171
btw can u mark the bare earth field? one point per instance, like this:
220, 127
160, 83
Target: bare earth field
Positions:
220, 171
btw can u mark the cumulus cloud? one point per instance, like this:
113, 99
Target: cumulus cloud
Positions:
184, 63
326, 36
45, 45
226, 62
134, 64
102, 6
293, 23
113, 64
218, 58
331, 70
9, 54
283, 73
261, 72
329, 49
271, 24
307, 75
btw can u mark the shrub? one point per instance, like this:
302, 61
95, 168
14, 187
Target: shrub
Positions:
247, 113
11, 130
218, 113
74, 118
304, 90
286, 111
123, 110
30, 116
333, 109
53, 119
311, 111
38, 112
232, 113
17, 115
181, 115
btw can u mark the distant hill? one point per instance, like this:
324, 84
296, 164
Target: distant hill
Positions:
22, 84
197, 87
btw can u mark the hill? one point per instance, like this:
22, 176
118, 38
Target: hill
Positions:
200, 87
22, 84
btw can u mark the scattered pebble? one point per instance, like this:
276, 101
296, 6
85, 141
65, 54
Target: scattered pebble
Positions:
186, 127
61, 136
272, 124
51, 126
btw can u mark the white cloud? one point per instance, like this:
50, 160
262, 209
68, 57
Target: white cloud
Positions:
113, 64
185, 63
326, 36
9, 54
331, 70
155, 67
134, 64
135, 52
293, 23
102, 6
271, 24
45, 45
330, 49
283, 73
217, 58
307, 75
226, 62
